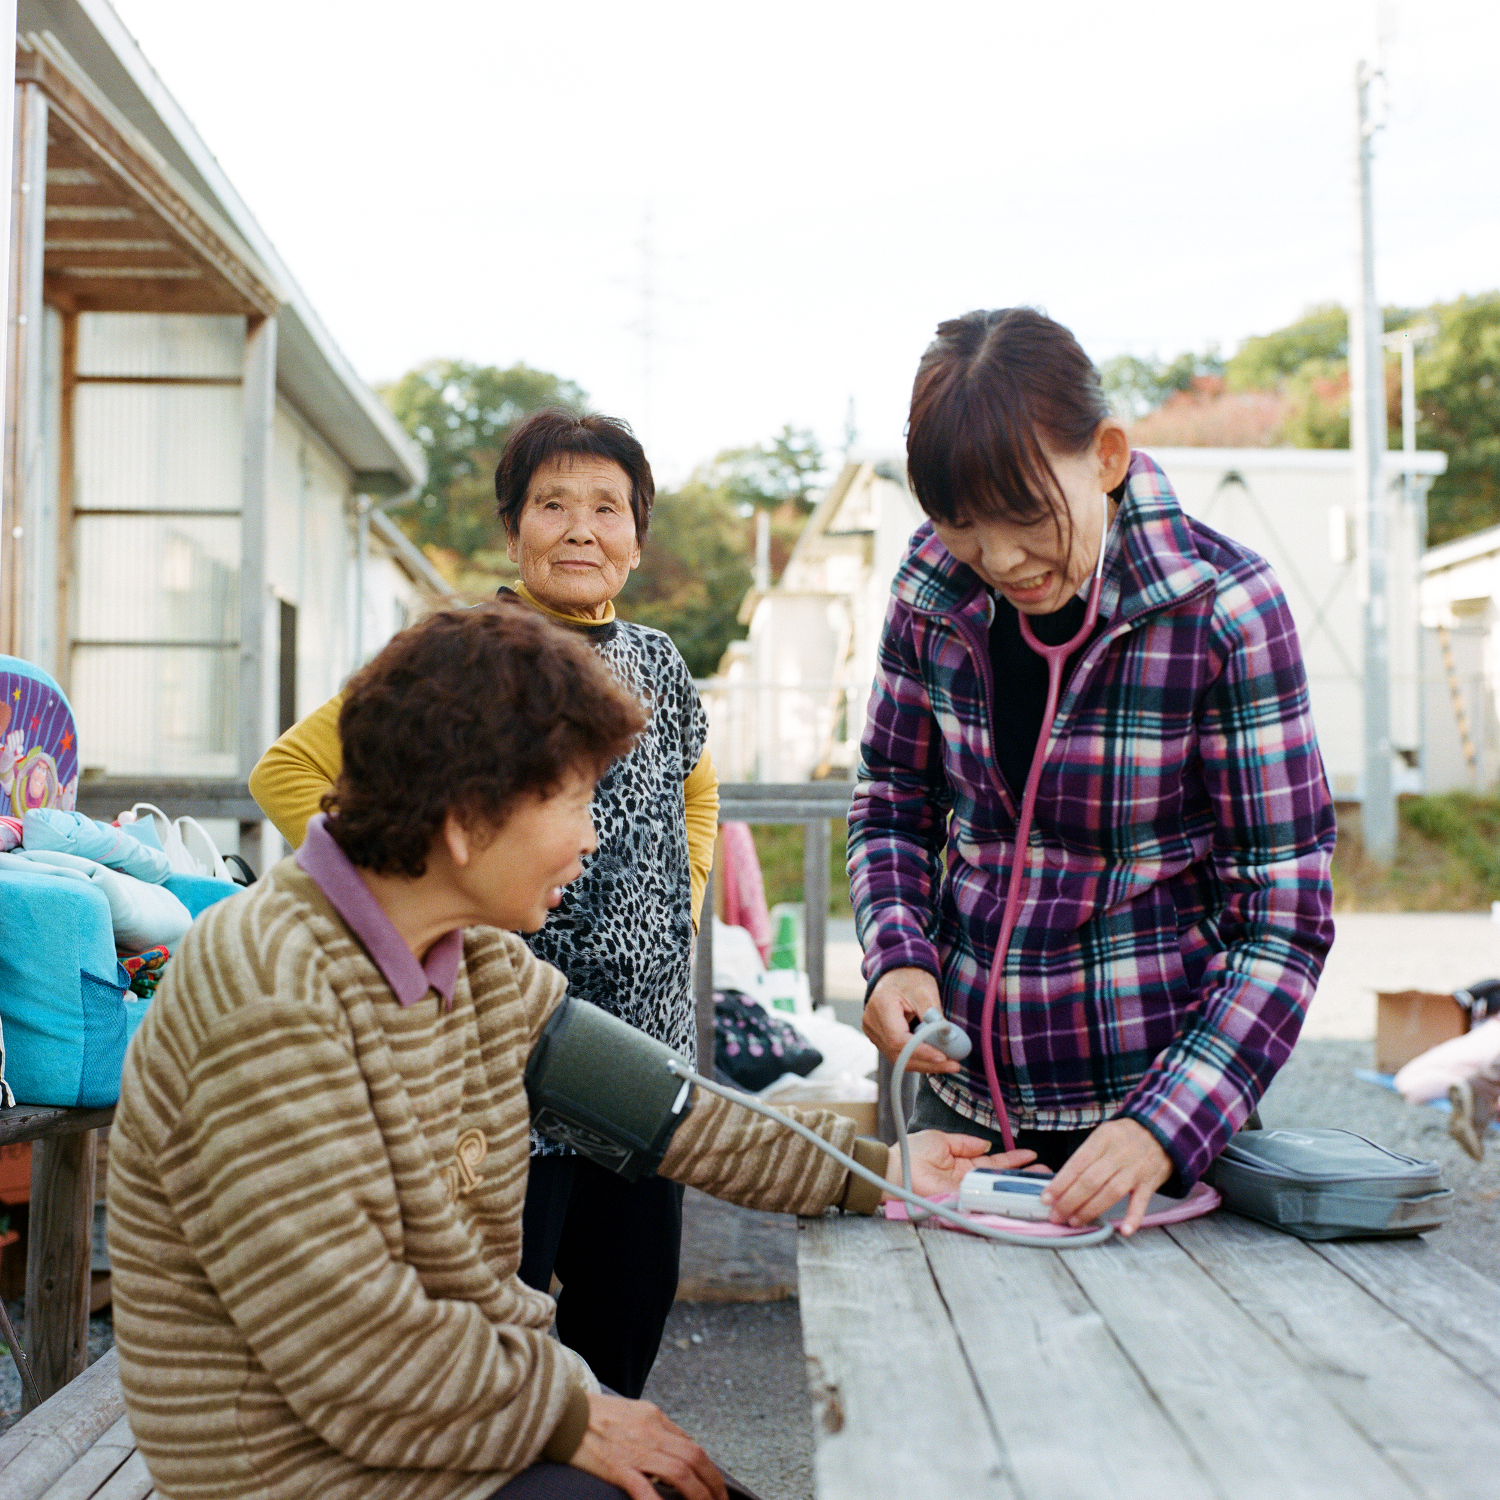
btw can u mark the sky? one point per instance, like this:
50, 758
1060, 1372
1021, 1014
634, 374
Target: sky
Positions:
718, 219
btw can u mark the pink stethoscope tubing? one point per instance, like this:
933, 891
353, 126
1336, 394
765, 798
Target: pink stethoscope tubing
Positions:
1056, 658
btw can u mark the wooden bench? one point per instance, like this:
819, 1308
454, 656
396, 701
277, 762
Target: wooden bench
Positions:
77, 1445
60, 1237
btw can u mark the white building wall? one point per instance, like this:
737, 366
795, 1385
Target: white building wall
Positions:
310, 556
1461, 619
1294, 507
152, 667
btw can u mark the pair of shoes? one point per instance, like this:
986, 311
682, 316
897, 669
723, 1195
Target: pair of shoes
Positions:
1464, 1124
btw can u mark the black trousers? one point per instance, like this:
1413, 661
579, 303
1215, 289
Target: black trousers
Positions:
614, 1246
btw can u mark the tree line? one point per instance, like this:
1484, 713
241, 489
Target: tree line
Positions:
1286, 388
1290, 388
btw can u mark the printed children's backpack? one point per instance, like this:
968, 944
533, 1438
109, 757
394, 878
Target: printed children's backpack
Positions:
38, 741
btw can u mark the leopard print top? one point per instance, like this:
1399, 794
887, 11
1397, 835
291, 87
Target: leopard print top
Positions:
623, 935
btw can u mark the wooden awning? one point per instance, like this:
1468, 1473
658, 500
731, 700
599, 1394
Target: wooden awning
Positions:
123, 232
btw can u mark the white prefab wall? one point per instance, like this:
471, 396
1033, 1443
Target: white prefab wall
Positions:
309, 554
154, 588
1295, 508
152, 665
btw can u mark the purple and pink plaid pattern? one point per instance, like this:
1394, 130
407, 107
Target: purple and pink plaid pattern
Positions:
1179, 907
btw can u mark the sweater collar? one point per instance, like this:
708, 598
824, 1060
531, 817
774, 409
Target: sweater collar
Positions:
330, 870
596, 630
1152, 563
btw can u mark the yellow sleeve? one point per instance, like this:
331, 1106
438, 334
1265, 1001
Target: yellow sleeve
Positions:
290, 779
700, 800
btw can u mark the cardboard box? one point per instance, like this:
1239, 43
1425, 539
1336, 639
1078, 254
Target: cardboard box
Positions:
1410, 1022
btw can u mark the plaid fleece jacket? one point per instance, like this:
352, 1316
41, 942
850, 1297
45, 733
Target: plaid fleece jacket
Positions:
1178, 909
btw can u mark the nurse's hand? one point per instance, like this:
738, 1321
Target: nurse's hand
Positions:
939, 1161
1120, 1159
900, 997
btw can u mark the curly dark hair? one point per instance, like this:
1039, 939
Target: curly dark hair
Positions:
556, 432
465, 713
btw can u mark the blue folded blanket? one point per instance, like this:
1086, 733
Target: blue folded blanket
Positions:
57, 832
63, 995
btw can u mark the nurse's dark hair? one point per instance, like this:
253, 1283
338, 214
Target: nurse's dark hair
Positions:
991, 385
466, 713
558, 432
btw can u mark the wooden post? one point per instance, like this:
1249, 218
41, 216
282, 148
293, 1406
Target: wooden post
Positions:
703, 979
815, 905
60, 1236
257, 686
23, 470
66, 428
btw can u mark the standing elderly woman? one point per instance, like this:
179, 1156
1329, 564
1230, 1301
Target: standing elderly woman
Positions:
1176, 906
574, 495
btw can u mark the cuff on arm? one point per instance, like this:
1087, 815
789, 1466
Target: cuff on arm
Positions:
571, 1426
859, 1196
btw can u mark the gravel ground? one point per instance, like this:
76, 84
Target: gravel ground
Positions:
733, 1375
101, 1337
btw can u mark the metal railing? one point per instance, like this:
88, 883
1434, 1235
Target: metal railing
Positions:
191, 796
813, 804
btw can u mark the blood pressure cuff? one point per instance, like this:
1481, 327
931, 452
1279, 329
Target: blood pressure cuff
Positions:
1325, 1184
598, 1085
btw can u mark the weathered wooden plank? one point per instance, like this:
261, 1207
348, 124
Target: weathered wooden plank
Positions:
97, 1465
30, 1122
42, 1446
1075, 1420
131, 1481
1434, 1421
1443, 1299
1245, 1407
60, 1247
895, 1409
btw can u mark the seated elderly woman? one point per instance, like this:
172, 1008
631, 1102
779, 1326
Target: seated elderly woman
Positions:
320, 1153
574, 498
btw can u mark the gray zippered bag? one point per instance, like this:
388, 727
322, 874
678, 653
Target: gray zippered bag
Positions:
1325, 1184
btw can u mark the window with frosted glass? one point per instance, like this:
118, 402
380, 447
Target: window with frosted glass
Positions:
154, 603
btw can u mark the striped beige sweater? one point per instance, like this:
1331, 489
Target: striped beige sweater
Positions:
315, 1215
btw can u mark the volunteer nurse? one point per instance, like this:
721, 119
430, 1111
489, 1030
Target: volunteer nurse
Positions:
1174, 906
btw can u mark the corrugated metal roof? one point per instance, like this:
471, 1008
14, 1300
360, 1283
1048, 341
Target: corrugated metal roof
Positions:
312, 372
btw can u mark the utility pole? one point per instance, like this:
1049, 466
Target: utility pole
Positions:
1367, 440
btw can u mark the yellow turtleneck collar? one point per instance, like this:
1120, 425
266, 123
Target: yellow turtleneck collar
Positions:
567, 617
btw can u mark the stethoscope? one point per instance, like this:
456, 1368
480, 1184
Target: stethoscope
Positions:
1056, 658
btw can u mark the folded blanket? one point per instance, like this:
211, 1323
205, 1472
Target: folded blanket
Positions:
142, 915
58, 832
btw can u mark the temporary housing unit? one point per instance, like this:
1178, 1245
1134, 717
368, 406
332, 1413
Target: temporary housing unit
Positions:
790, 702
191, 539
1461, 618
1295, 506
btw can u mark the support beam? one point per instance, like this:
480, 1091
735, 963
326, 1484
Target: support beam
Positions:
815, 905
1367, 440
60, 1237
258, 682
21, 554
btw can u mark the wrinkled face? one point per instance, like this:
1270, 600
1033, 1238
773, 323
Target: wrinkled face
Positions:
518, 876
575, 540
1039, 565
